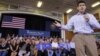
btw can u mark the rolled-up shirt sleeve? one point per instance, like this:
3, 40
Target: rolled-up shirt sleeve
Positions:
93, 22
69, 25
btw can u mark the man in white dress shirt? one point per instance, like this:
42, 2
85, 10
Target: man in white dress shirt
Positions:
82, 24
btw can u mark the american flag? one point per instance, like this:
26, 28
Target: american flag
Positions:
13, 22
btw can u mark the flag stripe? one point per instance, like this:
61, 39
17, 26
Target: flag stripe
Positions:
15, 23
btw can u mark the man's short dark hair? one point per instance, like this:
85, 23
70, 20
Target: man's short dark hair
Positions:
80, 2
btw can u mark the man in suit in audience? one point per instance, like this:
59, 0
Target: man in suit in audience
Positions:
41, 47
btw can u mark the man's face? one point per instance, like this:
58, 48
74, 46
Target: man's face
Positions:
81, 7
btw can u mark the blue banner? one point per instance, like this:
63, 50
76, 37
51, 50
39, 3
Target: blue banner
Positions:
34, 33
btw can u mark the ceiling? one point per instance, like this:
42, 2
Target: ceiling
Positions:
48, 5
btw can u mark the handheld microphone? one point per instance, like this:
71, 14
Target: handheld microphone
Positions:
86, 17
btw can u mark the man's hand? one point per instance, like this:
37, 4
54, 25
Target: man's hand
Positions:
86, 17
57, 24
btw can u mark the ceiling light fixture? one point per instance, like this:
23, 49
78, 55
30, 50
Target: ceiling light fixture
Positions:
69, 10
95, 4
39, 4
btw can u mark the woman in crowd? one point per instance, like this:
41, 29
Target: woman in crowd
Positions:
48, 47
34, 51
24, 49
41, 47
55, 47
63, 46
14, 48
4, 47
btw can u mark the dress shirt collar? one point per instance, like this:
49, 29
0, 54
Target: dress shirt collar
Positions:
81, 13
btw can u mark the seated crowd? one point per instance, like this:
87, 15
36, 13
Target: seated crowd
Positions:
36, 46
